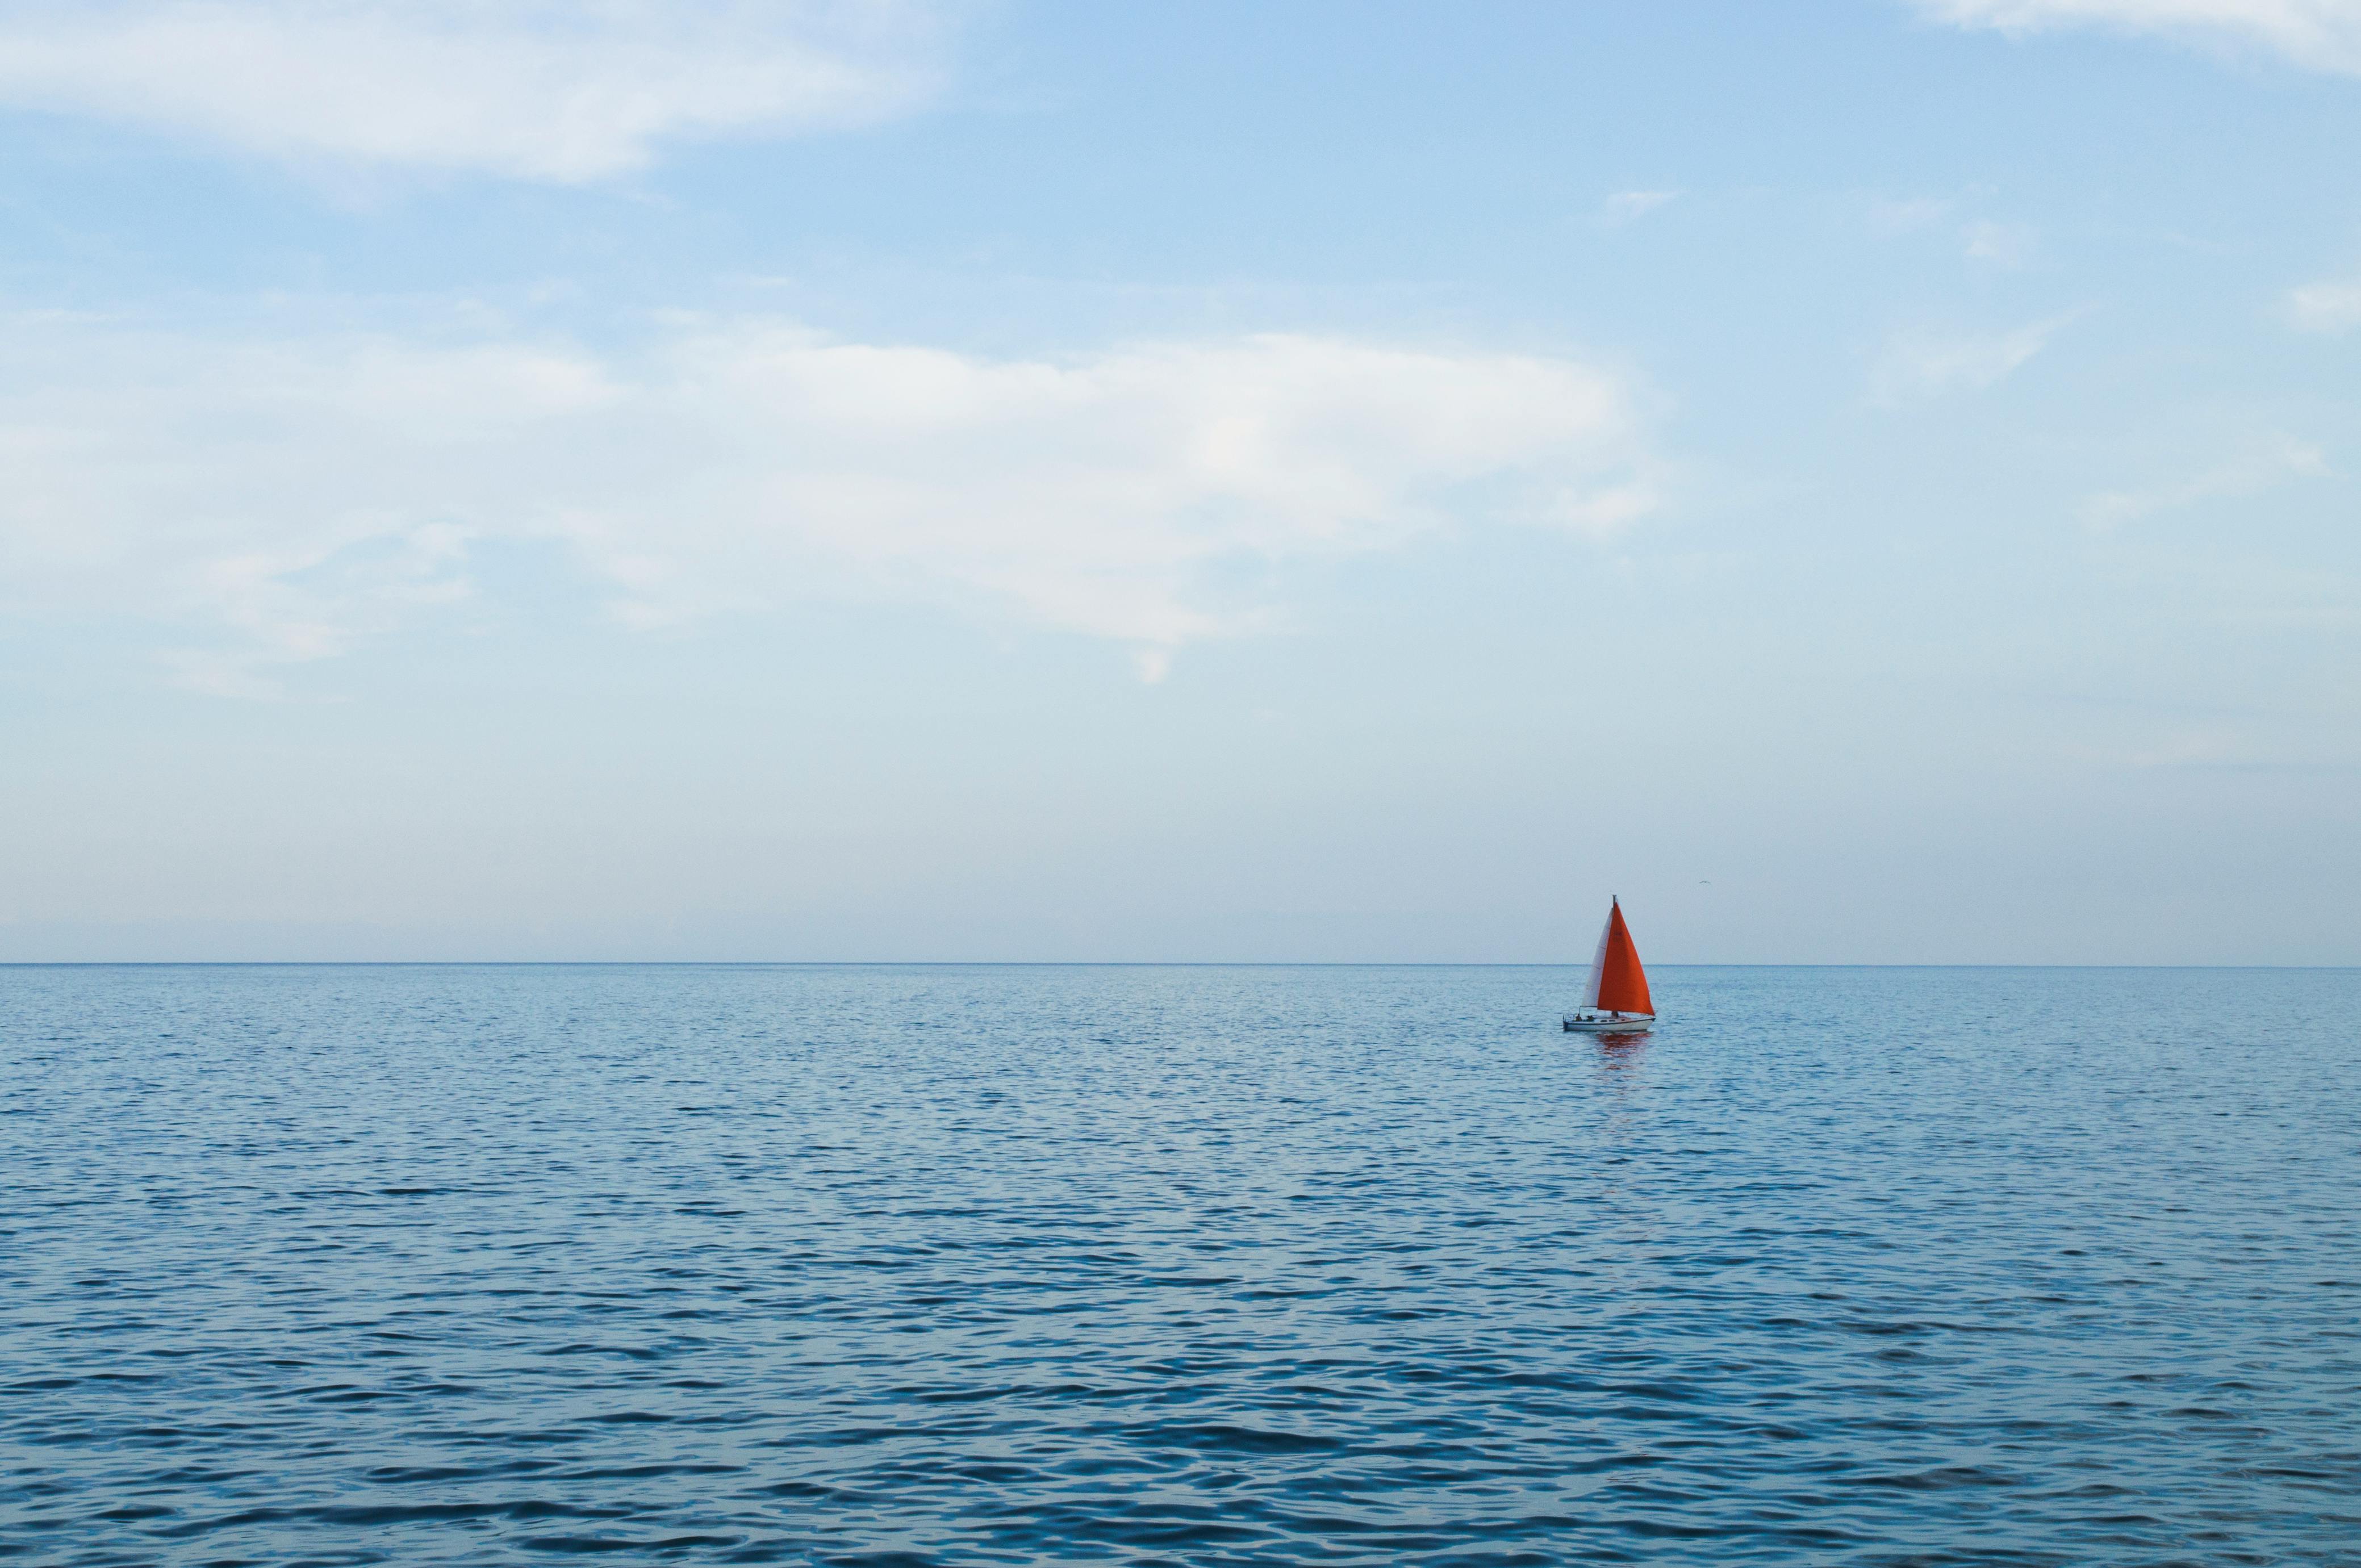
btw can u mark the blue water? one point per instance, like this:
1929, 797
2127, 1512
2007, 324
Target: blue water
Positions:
1176, 1265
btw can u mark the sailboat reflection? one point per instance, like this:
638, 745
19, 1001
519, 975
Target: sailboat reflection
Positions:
1622, 1052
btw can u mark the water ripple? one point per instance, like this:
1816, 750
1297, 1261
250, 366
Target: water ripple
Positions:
1194, 1266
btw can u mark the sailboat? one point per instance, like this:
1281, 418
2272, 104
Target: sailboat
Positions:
1616, 1002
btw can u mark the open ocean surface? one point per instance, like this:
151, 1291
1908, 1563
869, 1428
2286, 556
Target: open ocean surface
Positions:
917, 1266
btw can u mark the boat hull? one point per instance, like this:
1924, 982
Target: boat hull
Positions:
1608, 1026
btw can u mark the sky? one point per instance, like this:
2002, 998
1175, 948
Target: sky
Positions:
1870, 482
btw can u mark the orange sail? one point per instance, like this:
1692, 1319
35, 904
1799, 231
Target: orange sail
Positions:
1618, 983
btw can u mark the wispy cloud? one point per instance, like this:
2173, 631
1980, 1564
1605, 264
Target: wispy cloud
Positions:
1630, 206
555, 90
289, 602
2000, 245
1918, 364
1985, 240
2267, 463
2316, 35
2327, 307
295, 495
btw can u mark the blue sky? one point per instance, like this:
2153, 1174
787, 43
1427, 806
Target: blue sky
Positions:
1866, 482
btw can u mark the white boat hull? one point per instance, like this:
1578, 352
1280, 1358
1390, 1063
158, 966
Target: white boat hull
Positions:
1598, 1025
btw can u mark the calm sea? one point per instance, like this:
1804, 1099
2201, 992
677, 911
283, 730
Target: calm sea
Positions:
914, 1266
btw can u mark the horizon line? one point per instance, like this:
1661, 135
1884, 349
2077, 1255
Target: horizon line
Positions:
1061, 963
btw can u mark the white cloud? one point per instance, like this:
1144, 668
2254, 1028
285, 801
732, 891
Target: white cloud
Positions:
301, 495
558, 90
2268, 462
2317, 35
1920, 363
1630, 206
2326, 307
1986, 240
2001, 245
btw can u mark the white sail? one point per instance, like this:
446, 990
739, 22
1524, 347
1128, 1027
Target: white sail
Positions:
1599, 962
